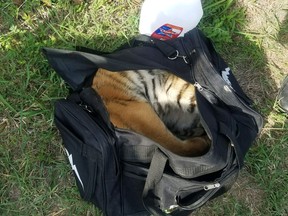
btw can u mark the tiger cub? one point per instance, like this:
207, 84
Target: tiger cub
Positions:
156, 104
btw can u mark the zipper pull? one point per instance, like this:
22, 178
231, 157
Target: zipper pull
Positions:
198, 86
86, 107
171, 209
211, 186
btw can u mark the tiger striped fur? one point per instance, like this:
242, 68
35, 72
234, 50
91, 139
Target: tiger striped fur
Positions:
156, 104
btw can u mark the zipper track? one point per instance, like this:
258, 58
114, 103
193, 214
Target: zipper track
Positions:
230, 88
252, 111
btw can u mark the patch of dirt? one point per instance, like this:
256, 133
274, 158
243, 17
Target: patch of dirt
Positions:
3, 124
14, 193
266, 19
264, 32
18, 2
247, 191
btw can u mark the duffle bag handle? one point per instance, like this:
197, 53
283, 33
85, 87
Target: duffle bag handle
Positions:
154, 176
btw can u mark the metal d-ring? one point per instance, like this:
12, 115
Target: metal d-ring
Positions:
178, 56
174, 57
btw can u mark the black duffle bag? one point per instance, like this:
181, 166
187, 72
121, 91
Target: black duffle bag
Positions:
125, 173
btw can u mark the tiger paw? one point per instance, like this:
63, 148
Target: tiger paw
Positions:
197, 146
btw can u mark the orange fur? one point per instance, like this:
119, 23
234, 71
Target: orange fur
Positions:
128, 111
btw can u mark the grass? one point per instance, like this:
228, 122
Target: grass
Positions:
35, 178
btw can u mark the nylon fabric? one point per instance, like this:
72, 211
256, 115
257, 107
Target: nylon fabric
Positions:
124, 173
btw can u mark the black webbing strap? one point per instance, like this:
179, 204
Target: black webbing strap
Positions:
167, 49
154, 176
227, 132
164, 47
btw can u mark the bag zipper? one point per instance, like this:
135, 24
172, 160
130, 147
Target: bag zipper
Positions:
211, 186
211, 189
200, 88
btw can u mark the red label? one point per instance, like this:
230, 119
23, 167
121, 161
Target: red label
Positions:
167, 32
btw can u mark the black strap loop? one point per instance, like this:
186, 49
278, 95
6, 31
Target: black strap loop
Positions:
227, 132
154, 176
